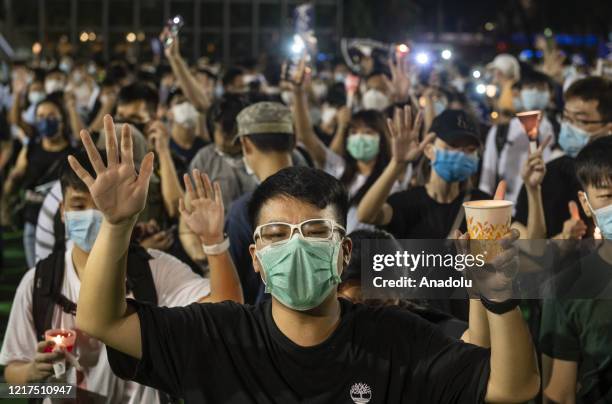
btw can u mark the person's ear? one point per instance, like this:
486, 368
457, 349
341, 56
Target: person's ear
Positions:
246, 144
582, 197
430, 152
346, 249
256, 264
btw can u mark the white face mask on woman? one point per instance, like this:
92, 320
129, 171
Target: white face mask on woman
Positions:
374, 99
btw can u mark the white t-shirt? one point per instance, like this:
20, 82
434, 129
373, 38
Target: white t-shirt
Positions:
335, 165
176, 285
509, 162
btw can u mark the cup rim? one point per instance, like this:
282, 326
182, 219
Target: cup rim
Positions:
488, 204
529, 113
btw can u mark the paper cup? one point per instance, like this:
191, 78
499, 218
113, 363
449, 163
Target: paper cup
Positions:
529, 120
487, 222
489, 219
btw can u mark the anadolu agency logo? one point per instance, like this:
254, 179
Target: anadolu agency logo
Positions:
361, 393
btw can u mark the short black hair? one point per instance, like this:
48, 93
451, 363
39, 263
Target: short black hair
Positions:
593, 88
224, 111
69, 179
139, 91
534, 77
594, 163
273, 142
230, 75
306, 184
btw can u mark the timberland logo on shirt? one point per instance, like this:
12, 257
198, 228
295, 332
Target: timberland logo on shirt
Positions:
361, 393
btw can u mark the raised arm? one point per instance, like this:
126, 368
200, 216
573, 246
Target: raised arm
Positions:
405, 148
515, 376
342, 122
170, 185
533, 174
301, 117
205, 217
120, 193
75, 121
196, 93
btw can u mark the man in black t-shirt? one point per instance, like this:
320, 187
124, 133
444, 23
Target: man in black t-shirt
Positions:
305, 344
587, 116
576, 333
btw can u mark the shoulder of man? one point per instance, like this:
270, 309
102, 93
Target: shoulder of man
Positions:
201, 157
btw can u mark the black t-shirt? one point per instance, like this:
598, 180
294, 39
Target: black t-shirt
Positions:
231, 353
43, 167
560, 186
417, 216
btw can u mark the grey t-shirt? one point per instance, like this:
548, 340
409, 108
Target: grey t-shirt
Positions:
229, 171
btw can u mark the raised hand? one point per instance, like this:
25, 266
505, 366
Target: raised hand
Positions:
159, 135
173, 49
404, 130
534, 170
400, 79
205, 216
118, 191
573, 228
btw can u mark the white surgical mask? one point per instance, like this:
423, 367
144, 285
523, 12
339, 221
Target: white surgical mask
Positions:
374, 99
52, 85
185, 114
328, 114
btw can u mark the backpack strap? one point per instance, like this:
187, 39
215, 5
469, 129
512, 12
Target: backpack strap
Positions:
139, 275
48, 278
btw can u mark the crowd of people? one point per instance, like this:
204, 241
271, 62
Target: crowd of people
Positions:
182, 186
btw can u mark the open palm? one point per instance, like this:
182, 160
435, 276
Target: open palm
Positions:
404, 130
118, 191
205, 215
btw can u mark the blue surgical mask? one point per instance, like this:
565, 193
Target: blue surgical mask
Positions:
47, 127
83, 226
572, 139
603, 219
517, 105
453, 166
439, 106
532, 99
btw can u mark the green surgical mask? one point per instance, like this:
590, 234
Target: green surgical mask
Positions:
363, 147
300, 273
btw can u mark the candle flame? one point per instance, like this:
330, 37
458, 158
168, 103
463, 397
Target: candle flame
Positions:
59, 340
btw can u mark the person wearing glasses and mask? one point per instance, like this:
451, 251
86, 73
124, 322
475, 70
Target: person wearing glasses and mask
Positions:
587, 115
304, 344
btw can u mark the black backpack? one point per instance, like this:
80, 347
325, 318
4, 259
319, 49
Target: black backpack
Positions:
49, 276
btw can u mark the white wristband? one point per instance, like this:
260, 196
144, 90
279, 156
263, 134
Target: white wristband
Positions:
216, 249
